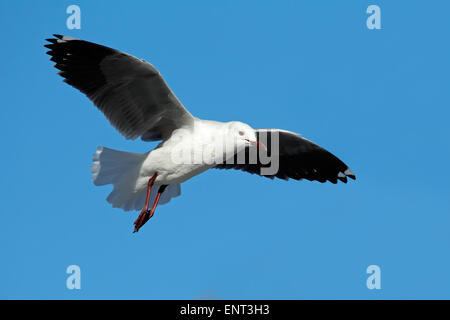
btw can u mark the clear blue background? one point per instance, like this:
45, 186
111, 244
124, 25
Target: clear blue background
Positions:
378, 99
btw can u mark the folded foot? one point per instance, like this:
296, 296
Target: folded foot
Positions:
145, 213
142, 219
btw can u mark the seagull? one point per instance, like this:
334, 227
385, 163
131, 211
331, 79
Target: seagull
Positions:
137, 101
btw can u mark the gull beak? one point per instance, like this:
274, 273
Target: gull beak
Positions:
258, 144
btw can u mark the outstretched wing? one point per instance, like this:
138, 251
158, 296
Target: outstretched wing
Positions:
298, 159
129, 91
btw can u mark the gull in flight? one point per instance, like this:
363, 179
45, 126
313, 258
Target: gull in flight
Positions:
137, 101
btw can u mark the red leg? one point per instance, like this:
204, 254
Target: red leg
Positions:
152, 210
138, 221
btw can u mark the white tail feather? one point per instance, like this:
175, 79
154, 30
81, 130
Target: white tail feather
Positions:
122, 169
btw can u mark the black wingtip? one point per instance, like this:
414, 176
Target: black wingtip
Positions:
349, 173
58, 36
343, 179
352, 176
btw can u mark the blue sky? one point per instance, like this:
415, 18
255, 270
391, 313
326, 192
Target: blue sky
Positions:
378, 99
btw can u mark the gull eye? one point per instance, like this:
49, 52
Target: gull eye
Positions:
241, 133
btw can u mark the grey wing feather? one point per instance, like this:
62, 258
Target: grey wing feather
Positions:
130, 92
